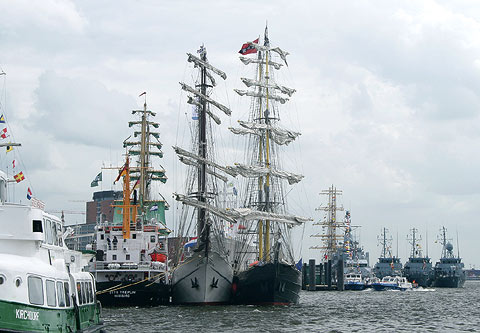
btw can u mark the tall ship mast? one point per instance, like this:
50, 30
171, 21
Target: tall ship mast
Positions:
264, 263
449, 270
387, 265
202, 273
330, 235
418, 269
132, 250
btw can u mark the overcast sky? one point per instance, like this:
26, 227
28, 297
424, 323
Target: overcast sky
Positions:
387, 100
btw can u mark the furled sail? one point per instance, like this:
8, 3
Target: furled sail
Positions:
280, 136
283, 89
188, 161
241, 214
211, 114
247, 61
262, 94
199, 62
183, 152
279, 51
186, 87
253, 171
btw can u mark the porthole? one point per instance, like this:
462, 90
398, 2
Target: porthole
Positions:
18, 282
2, 279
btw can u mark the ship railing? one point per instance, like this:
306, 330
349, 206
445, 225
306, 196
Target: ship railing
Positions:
142, 265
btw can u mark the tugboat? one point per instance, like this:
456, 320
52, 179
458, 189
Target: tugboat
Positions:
268, 274
42, 285
418, 269
387, 264
131, 263
449, 272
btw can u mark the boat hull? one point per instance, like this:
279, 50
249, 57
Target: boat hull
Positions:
117, 293
269, 284
19, 317
202, 280
354, 286
449, 282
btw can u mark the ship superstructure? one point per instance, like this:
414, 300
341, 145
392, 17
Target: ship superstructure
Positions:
356, 260
418, 269
131, 250
449, 270
387, 265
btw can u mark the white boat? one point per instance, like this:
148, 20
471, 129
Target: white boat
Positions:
392, 283
354, 281
42, 285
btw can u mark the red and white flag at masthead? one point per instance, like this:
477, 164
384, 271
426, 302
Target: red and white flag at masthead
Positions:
248, 48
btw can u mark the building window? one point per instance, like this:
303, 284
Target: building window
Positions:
35, 290
51, 295
114, 257
127, 257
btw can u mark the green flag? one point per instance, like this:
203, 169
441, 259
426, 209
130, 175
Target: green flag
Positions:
96, 180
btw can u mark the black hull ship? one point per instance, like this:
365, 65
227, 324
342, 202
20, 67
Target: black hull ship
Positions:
449, 272
132, 250
202, 274
265, 271
268, 284
418, 269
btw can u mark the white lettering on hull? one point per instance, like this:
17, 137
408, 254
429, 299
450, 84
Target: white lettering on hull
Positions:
26, 314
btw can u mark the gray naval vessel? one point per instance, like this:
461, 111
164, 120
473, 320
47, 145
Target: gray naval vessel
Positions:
387, 264
202, 272
449, 270
418, 269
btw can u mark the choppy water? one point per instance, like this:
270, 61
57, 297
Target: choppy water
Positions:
430, 310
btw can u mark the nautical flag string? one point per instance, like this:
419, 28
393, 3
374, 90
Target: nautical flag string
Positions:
2, 119
3, 133
13, 164
19, 177
29, 194
9, 149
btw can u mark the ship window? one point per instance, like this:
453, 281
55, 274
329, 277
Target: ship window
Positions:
127, 257
152, 238
90, 292
84, 293
134, 236
48, 230
67, 294
60, 294
114, 257
59, 234
54, 233
51, 297
79, 293
102, 236
35, 290
37, 226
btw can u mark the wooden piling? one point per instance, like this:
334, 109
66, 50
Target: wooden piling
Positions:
311, 276
329, 274
340, 285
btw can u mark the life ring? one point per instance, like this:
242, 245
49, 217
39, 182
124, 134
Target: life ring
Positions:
110, 277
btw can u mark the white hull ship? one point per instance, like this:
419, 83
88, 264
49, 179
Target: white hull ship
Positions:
132, 250
203, 275
42, 285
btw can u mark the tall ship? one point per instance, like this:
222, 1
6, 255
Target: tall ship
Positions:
42, 285
449, 270
388, 264
202, 272
264, 263
418, 269
131, 262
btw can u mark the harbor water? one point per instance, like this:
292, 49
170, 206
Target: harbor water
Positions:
420, 310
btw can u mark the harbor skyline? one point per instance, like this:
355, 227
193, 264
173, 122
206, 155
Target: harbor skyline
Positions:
387, 102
